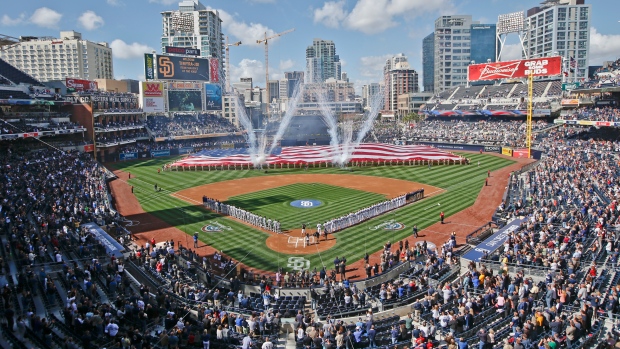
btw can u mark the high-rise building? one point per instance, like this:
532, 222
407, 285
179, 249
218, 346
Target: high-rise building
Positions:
289, 83
322, 62
560, 27
428, 62
399, 78
333, 90
458, 39
69, 56
274, 89
194, 26
368, 91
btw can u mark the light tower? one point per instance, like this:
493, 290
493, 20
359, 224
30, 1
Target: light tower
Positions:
507, 24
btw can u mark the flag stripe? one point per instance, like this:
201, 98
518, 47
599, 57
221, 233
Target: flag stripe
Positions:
314, 154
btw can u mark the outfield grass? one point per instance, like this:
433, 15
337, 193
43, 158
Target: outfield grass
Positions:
336, 201
462, 184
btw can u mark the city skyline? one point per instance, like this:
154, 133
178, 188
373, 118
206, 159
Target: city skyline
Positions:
365, 32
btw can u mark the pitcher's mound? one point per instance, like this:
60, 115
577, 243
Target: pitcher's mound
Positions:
293, 243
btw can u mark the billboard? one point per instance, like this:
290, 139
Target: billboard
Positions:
182, 68
547, 66
214, 68
184, 100
213, 93
506, 151
182, 51
153, 97
79, 85
149, 66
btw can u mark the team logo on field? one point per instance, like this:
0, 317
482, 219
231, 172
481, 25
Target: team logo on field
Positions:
389, 225
214, 227
298, 263
306, 203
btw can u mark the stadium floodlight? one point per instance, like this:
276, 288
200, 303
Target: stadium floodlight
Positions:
510, 23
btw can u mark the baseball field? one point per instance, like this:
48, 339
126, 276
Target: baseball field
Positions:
297, 196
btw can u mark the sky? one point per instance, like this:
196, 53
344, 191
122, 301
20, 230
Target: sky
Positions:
365, 32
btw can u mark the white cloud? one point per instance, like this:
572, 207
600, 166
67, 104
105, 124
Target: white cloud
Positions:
89, 20
375, 16
45, 17
511, 52
331, 14
122, 50
603, 47
247, 33
372, 66
8, 21
114, 2
248, 68
287, 64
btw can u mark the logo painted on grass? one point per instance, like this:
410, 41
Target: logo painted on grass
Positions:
298, 263
306, 203
389, 225
215, 227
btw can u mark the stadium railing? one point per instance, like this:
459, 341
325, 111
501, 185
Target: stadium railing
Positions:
480, 234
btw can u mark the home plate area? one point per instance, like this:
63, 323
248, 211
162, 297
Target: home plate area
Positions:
300, 241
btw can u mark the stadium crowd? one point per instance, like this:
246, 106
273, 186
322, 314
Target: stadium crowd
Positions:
184, 125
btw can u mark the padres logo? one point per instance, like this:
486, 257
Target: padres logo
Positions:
298, 263
389, 225
166, 67
215, 227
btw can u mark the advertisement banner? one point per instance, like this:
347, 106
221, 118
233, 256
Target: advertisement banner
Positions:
149, 66
184, 100
570, 102
547, 66
520, 153
450, 146
153, 89
184, 85
182, 68
182, 51
568, 86
153, 105
79, 85
153, 97
214, 65
112, 247
186, 150
492, 149
158, 153
506, 151
89, 147
127, 156
214, 96
493, 242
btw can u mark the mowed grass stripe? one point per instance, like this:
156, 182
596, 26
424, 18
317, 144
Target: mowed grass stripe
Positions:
336, 201
462, 182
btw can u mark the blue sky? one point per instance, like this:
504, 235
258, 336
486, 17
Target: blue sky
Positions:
365, 32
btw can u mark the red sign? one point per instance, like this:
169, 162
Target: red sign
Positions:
214, 64
31, 134
153, 89
89, 147
547, 66
520, 153
81, 85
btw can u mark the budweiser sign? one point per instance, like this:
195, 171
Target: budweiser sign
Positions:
548, 66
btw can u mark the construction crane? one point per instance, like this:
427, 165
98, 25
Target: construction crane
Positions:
266, 42
228, 62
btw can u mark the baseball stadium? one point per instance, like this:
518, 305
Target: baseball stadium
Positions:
190, 211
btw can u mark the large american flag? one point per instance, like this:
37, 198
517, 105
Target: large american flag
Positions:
374, 152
